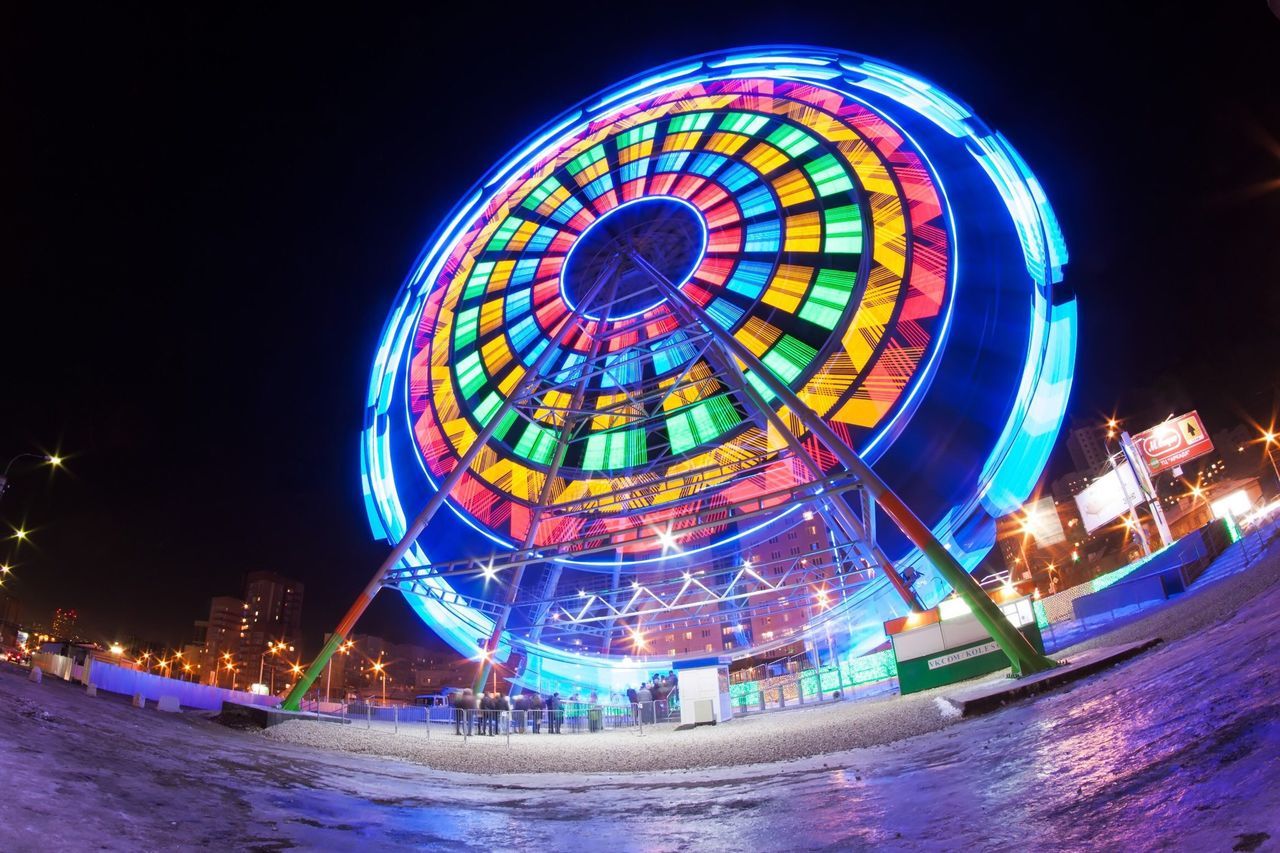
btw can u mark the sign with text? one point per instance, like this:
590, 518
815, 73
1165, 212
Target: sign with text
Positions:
1173, 443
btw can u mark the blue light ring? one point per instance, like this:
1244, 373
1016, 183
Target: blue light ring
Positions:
386, 506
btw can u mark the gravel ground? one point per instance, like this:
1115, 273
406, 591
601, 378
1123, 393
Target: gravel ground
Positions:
774, 737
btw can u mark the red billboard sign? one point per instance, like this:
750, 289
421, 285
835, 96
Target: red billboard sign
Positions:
1173, 442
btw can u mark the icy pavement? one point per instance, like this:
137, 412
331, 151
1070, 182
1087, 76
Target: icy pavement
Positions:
1177, 749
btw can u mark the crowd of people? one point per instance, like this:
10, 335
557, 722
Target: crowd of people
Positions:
488, 713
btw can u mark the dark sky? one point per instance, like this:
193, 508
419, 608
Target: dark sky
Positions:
207, 212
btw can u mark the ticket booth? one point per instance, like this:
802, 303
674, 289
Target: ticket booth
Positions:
704, 692
948, 644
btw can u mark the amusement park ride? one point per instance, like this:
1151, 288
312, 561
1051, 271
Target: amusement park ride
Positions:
753, 286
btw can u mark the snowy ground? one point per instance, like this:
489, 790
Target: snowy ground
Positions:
1177, 749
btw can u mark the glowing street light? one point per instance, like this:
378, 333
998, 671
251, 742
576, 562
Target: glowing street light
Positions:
1271, 437
381, 670
54, 461
345, 649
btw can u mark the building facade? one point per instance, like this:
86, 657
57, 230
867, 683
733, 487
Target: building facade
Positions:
272, 613
221, 633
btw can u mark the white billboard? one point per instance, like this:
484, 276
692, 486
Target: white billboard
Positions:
1105, 499
1040, 519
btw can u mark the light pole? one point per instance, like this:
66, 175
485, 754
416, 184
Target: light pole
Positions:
381, 670
54, 461
1134, 523
345, 648
296, 669
1271, 438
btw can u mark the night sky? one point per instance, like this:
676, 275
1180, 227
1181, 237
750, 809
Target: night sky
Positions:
206, 214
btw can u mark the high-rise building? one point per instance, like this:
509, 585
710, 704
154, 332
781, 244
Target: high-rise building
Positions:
1069, 485
10, 619
272, 613
64, 624
221, 632
1088, 449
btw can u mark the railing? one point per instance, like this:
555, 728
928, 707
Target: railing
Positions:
468, 723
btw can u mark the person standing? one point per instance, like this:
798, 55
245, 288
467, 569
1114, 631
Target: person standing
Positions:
645, 698
486, 714
634, 698
535, 709
469, 706
502, 713
553, 713
519, 712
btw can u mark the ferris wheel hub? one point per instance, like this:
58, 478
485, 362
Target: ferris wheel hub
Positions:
666, 232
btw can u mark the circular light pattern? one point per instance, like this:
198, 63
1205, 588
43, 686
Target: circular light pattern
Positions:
877, 246
667, 233
825, 252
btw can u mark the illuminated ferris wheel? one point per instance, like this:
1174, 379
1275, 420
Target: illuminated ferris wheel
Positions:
672, 333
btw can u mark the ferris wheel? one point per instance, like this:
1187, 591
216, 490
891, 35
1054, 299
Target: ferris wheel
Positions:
738, 301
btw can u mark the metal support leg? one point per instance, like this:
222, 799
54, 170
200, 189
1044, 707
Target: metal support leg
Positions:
531, 378
1023, 658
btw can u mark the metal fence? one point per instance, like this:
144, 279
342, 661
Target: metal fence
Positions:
445, 721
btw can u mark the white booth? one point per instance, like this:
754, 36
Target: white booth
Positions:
704, 692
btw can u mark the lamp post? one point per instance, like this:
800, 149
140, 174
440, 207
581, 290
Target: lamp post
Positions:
1134, 523
381, 670
345, 648
54, 461
1272, 438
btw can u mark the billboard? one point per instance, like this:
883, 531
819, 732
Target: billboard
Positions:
1040, 519
1174, 442
1109, 497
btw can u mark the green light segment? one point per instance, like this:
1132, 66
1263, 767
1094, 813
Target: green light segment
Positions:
844, 230
828, 175
504, 426
792, 140
465, 331
642, 133
829, 297
539, 195
582, 161
470, 374
487, 408
760, 387
700, 423
504, 233
478, 280
788, 358
538, 444
745, 123
689, 121
615, 450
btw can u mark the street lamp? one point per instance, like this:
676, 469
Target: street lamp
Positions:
1271, 438
381, 670
230, 667
54, 461
345, 648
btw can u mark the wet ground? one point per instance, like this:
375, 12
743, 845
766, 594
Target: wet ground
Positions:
1177, 749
